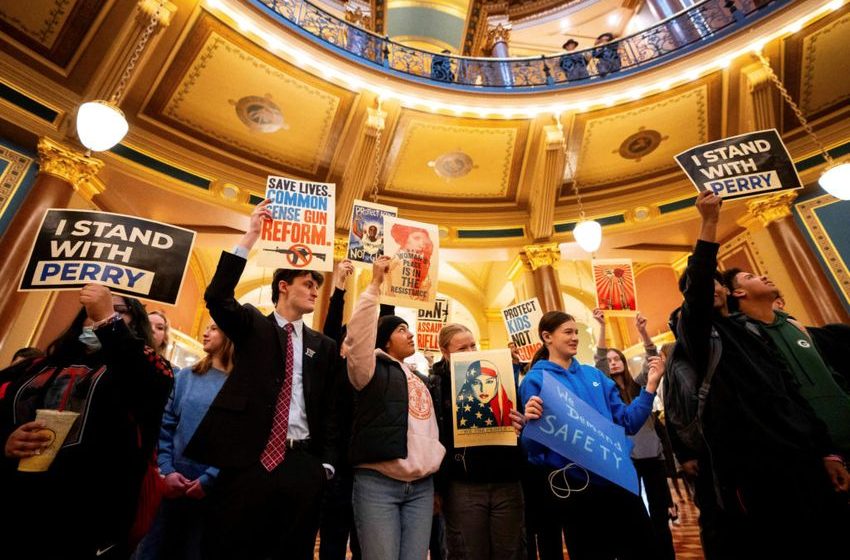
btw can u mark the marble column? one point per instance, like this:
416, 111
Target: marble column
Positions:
774, 212
61, 172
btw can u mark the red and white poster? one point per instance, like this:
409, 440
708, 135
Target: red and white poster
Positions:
414, 248
615, 286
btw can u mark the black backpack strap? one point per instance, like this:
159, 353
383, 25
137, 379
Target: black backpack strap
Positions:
713, 360
715, 350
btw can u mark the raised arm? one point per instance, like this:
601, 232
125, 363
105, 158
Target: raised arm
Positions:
633, 415
698, 289
333, 320
600, 358
230, 316
649, 349
359, 345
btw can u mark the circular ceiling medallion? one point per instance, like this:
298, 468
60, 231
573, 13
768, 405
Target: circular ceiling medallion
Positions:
641, 143
260, 114
452, 165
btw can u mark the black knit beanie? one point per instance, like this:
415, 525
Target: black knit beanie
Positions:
386, 325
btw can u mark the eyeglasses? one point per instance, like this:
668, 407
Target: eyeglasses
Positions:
121, 308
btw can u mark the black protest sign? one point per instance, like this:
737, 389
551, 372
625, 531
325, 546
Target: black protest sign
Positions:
742, 166
129, 255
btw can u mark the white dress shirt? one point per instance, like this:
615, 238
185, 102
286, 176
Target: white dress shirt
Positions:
298, 428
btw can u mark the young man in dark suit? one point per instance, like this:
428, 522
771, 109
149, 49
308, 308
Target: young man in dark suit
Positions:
272, 429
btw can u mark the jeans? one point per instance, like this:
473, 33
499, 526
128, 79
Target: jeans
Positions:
393, 518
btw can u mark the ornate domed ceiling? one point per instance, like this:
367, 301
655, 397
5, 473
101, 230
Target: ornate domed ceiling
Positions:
213, 110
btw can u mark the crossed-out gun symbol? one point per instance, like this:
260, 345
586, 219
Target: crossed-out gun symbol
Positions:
302, 253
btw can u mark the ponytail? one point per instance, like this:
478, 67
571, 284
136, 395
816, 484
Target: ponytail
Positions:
541, 354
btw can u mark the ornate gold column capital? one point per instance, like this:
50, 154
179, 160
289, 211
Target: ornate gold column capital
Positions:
544, 254
499, 34
148, 9
772, 208
340, 247
72, 166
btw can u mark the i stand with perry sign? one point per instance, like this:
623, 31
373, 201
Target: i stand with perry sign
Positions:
742, 166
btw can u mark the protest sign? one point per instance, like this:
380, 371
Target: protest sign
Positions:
414, 248
574, 430
484, 395
298, 235
522, 320
429, 322
129, 255
742, 166
616, 292
366, 236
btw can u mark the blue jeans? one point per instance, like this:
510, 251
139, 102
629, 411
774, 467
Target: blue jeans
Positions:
393, 518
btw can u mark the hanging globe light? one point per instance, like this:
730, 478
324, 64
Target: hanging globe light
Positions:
100, 125
836, 181
588, 235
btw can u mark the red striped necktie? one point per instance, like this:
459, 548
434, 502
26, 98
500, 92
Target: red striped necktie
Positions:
275, 450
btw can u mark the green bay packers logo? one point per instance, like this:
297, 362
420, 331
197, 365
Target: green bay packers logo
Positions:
803, 343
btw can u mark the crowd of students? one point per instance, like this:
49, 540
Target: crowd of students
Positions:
281, 432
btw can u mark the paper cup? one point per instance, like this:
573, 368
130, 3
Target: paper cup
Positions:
57, 424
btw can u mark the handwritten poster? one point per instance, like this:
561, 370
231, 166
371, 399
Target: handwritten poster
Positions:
615, 286
300, 234
366, 235
414, 249
522, 320
484, 395
429, 322
574, 430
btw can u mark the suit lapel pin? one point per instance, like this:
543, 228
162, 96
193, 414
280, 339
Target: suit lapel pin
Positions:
309, 352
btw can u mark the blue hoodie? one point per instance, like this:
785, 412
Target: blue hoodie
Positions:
594, 388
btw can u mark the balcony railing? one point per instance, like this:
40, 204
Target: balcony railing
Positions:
672, 37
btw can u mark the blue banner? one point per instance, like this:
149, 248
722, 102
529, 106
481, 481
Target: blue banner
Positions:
572, 429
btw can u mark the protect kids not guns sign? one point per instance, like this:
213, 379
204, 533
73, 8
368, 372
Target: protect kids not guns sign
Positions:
130, 255
742, 166
300, 234
521, 320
